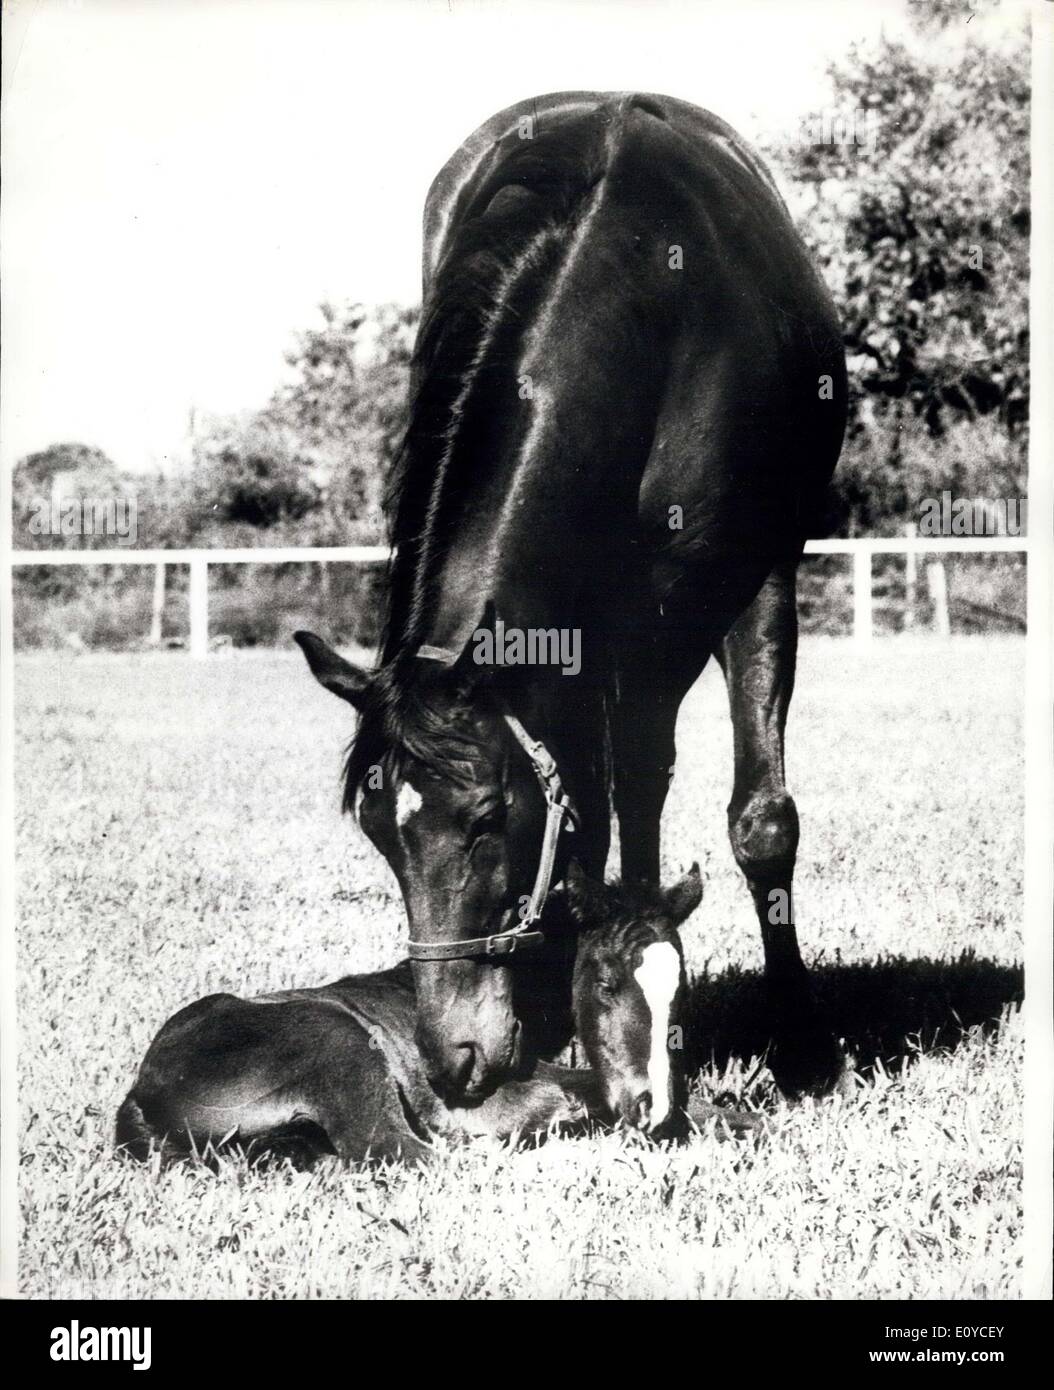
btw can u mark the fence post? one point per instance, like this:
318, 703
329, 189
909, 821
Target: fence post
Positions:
157, 610
937, 579
911, 580
199, 607
862, 597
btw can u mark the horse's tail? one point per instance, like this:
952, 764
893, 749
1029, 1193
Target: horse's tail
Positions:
132, 1133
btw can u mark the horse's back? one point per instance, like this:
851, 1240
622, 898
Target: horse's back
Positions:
674, 150
475, 160
685, 277
695, 242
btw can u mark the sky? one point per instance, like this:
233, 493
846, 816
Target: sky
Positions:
185, 182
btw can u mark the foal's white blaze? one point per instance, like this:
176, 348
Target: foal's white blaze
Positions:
406, 803
658, 975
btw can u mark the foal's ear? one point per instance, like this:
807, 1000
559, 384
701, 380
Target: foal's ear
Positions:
685, 896
331, 670
585, 897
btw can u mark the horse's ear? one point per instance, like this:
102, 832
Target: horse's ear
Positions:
585, 897
330, 669
685, 896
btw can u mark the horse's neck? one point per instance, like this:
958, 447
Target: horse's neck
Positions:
515, 561
547, 522
570, 716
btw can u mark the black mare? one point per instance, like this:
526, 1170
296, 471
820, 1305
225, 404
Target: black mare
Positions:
628, 396
335, 1070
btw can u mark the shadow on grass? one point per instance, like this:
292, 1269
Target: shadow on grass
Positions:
887, 1009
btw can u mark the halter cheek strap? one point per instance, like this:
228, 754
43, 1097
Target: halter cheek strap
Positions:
558, 809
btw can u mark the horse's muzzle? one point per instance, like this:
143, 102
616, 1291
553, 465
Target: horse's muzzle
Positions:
466, 1071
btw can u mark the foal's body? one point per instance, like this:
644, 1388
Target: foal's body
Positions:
335, 1070
306, 1072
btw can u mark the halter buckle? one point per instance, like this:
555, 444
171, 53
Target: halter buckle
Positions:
501, 945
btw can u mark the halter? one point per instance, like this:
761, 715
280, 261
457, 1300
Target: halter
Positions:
557, 806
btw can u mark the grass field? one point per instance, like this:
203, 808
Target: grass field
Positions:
179, 833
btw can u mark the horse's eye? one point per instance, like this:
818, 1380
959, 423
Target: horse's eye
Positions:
488, 823
607, 986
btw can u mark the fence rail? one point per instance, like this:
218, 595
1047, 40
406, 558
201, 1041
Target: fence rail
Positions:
861, 549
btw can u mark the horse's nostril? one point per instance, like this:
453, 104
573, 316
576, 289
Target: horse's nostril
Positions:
464, 1063
642, 1111
451, 1074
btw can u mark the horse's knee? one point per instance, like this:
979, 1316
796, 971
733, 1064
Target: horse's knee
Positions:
764, 835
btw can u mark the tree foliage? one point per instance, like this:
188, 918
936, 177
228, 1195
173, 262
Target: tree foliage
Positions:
309, 467
61, 471
922, 233
347, 403
248, 473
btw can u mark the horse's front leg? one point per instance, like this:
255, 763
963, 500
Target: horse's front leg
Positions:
758, 658
643, 725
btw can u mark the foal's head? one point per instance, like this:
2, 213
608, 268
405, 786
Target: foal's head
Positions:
628, 992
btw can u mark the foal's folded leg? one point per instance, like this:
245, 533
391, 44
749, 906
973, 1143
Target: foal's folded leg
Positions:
522, 1107
741, 1123
360, 1104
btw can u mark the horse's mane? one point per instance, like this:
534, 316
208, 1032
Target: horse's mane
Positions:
402, 715
511, 236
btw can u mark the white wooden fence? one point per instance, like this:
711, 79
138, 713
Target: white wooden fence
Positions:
862, 550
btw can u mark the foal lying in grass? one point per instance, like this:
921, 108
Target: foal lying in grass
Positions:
335, 1070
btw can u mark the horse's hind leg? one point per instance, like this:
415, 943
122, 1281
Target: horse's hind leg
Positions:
758, 656
133, 1134
301, 1145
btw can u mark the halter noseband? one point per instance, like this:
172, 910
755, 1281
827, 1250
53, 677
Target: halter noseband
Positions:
557, 806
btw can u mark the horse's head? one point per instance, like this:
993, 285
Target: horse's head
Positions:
628, 992
441, 787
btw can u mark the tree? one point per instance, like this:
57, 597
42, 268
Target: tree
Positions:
79, 484
72, 472
90, 465
347, 405
249, 474
923, 235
